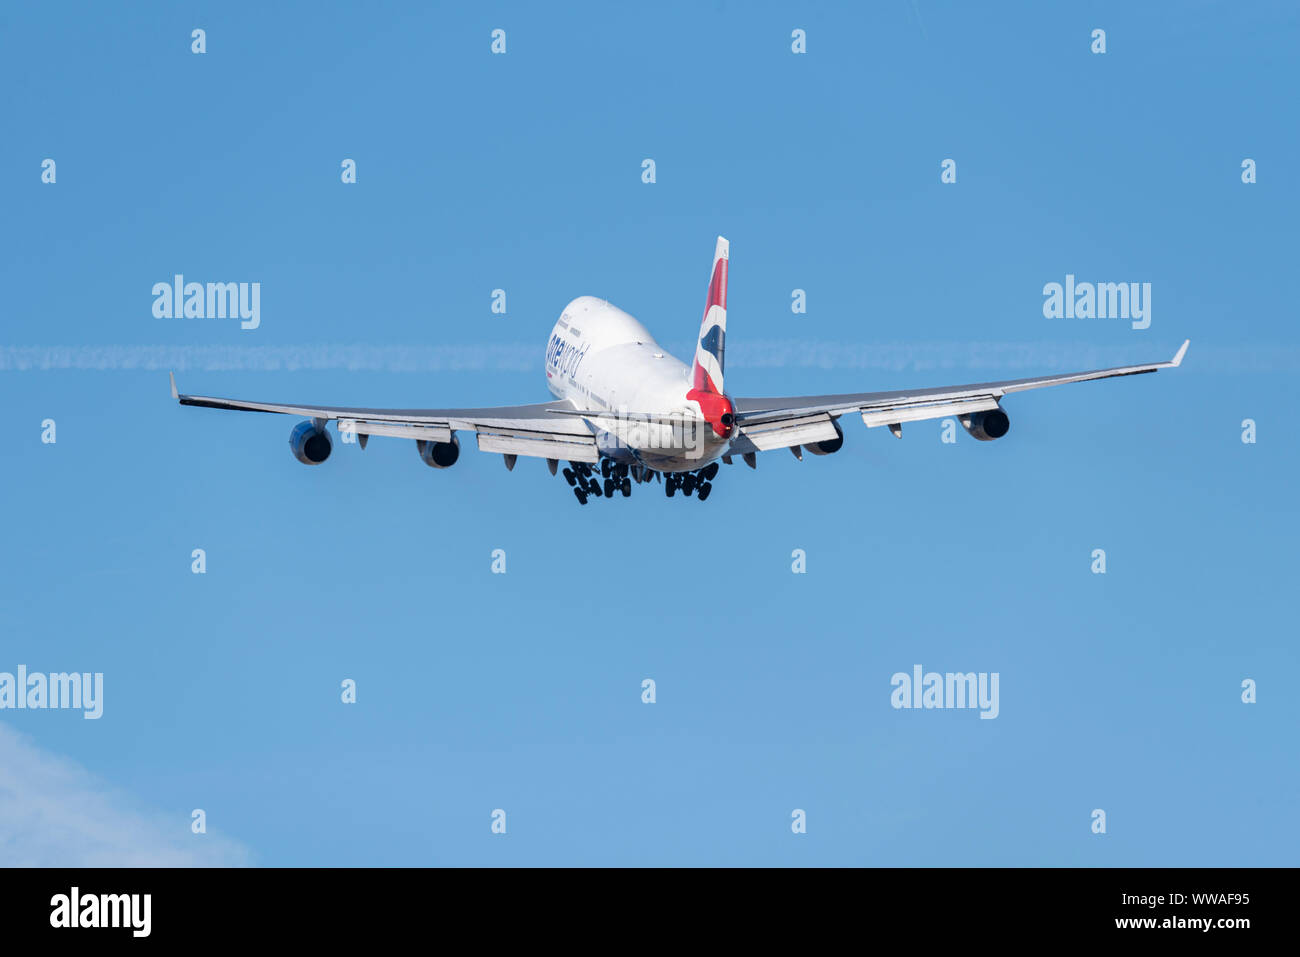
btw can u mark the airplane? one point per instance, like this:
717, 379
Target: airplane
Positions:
625, 410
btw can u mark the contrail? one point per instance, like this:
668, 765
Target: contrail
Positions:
996, 357
291, 358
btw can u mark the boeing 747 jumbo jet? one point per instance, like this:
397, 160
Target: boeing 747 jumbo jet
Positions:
626, 407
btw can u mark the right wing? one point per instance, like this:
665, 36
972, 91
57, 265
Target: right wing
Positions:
550, 430
793, 420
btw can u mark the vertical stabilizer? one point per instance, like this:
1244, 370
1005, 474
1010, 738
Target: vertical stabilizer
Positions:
710, 350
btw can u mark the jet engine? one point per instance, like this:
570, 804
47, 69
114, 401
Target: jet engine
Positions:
311, 443
439, 455
986, 426
827, 446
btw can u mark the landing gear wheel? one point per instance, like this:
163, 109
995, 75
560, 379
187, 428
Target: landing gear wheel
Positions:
605, 466
570, 477
709, 472
609, 488
705, 489
581, 496
670, 487
688, 484
627, 488
594, 488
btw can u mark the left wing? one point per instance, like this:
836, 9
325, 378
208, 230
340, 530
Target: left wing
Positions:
550, 430
771, 423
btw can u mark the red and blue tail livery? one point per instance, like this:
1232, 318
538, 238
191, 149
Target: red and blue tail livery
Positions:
710, 351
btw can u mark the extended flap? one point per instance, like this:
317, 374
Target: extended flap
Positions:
804, 430
933, 410
544, 445
396, 430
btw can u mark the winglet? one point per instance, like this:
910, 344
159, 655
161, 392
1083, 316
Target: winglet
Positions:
1177, 359
176, 395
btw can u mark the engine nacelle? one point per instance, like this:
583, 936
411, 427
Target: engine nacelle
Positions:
311, 444
439, 455
827, 446
986, 426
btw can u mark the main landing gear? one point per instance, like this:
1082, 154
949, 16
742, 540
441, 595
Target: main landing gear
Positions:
699, 482
614, 478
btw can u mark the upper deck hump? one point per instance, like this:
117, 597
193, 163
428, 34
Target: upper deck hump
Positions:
601, 323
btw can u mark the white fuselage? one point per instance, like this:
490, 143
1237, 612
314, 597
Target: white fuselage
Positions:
603, 360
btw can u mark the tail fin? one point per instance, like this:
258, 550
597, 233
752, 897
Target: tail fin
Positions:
710, 350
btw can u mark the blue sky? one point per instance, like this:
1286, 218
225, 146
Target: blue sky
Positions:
523, 691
